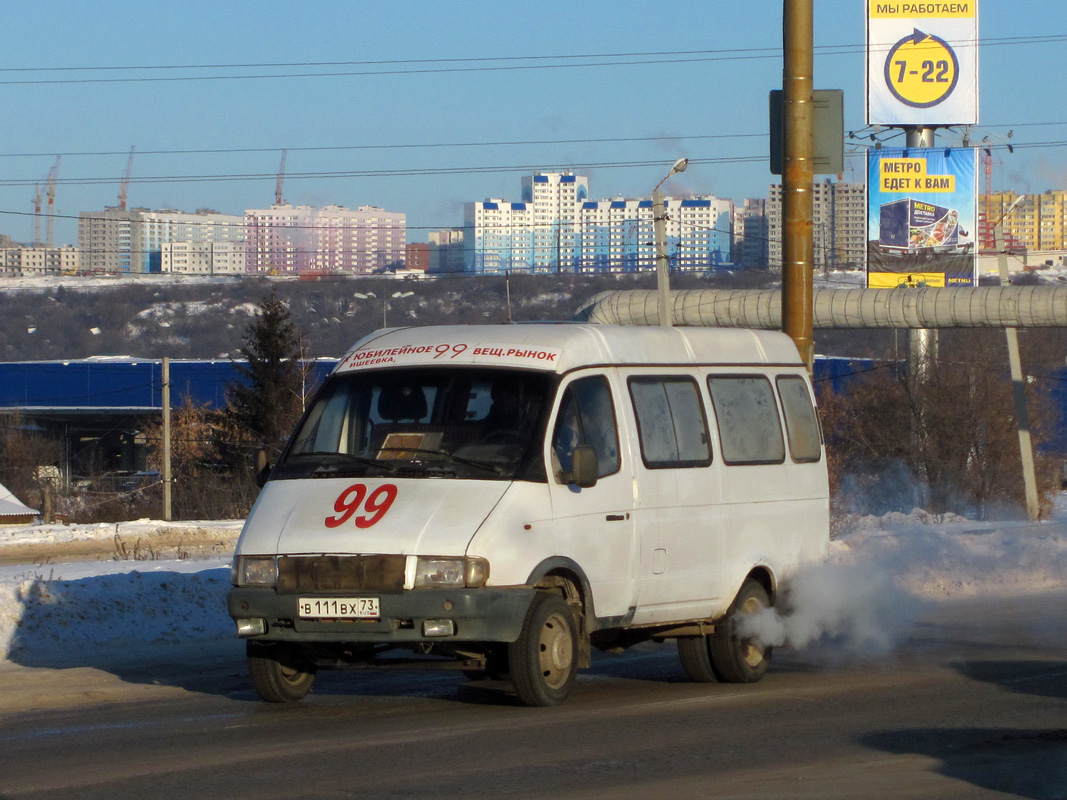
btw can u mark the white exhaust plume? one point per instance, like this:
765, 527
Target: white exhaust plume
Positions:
864, 601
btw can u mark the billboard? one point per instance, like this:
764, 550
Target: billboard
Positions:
922, 63
922, 217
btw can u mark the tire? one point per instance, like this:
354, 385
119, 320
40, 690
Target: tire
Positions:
544, 659
737, 660
696, 659
279, 673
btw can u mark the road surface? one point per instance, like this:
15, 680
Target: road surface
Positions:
972, 705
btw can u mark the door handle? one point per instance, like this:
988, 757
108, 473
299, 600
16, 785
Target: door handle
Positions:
617, 517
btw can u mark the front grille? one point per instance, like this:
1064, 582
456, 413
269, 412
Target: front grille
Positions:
340, 574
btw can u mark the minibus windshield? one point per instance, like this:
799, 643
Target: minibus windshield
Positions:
434, 422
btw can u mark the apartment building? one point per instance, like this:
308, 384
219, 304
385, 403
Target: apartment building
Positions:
203, 258
557, 228
839, 225
130, 241
751, 238
446, 250
25, 261
292, 240
1038, 223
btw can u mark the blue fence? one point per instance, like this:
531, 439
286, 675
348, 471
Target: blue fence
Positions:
121, 383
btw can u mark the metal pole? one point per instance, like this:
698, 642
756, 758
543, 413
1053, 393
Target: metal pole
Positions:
1018, 386
923, 343
166, 440
663, 275
797, 174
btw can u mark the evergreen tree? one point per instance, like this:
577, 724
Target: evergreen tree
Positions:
267, 403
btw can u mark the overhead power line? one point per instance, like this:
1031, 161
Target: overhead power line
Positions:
396, 146
500, 64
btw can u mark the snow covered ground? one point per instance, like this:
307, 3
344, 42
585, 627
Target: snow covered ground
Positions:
862, 601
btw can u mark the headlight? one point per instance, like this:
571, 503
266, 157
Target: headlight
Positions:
432, 571
255, 571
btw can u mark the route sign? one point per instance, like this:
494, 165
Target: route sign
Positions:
922, 63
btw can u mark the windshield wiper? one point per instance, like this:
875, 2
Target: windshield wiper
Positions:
450, 456
336, 470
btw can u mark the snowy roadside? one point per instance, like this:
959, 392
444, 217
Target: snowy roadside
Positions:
863, 600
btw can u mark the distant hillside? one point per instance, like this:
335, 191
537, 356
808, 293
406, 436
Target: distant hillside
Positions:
208, 320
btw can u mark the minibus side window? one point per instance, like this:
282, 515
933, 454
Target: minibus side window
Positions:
747, 415
801, 424
586, 416
671, 426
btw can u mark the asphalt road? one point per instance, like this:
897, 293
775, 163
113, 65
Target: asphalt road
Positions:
973, 705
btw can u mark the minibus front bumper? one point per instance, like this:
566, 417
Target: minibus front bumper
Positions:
486, 614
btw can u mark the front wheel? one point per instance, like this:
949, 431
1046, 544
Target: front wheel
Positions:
279, 673
544, 659
736, 659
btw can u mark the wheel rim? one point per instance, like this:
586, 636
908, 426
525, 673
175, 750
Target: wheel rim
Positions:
291, 674
752, 650
556, 651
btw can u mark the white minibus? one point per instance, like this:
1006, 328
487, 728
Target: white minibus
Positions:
503, 499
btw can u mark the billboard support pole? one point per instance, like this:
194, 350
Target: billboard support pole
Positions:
922, 342
798, 169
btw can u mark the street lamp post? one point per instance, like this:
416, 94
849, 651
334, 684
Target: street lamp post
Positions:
1022, 419
659, 230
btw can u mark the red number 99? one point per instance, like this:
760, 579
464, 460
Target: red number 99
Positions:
351, 499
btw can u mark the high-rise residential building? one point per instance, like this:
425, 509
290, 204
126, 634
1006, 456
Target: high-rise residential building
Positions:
110, 240
557, 228
291, 240
120, 241
446, 250
200, 231
751, 237
1038, 223
839, 225
618, 235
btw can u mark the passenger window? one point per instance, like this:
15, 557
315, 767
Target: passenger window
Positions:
671, 425
586, 416
747, 418
801, 423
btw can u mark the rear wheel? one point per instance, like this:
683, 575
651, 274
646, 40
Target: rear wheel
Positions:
736, 659
280, 673
695, 658
543, 661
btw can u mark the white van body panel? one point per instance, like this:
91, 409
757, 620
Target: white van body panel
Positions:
564, 347
427, 517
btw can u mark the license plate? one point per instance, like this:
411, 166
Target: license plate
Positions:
338, 608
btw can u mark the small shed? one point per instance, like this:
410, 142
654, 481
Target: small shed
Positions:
13, 511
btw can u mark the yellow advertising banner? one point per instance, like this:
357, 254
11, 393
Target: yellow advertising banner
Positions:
880, 9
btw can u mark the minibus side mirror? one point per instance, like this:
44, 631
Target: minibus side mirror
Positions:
263, 467
586, 467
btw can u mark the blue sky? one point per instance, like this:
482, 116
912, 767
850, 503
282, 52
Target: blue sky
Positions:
512, 120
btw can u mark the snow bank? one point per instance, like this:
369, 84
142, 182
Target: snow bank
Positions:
21, 535
69, 614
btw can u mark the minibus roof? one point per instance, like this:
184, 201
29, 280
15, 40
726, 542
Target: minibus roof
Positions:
561, 347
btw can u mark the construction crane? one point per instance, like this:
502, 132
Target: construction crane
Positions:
36, 214
124, 187
51, 191
281, 179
